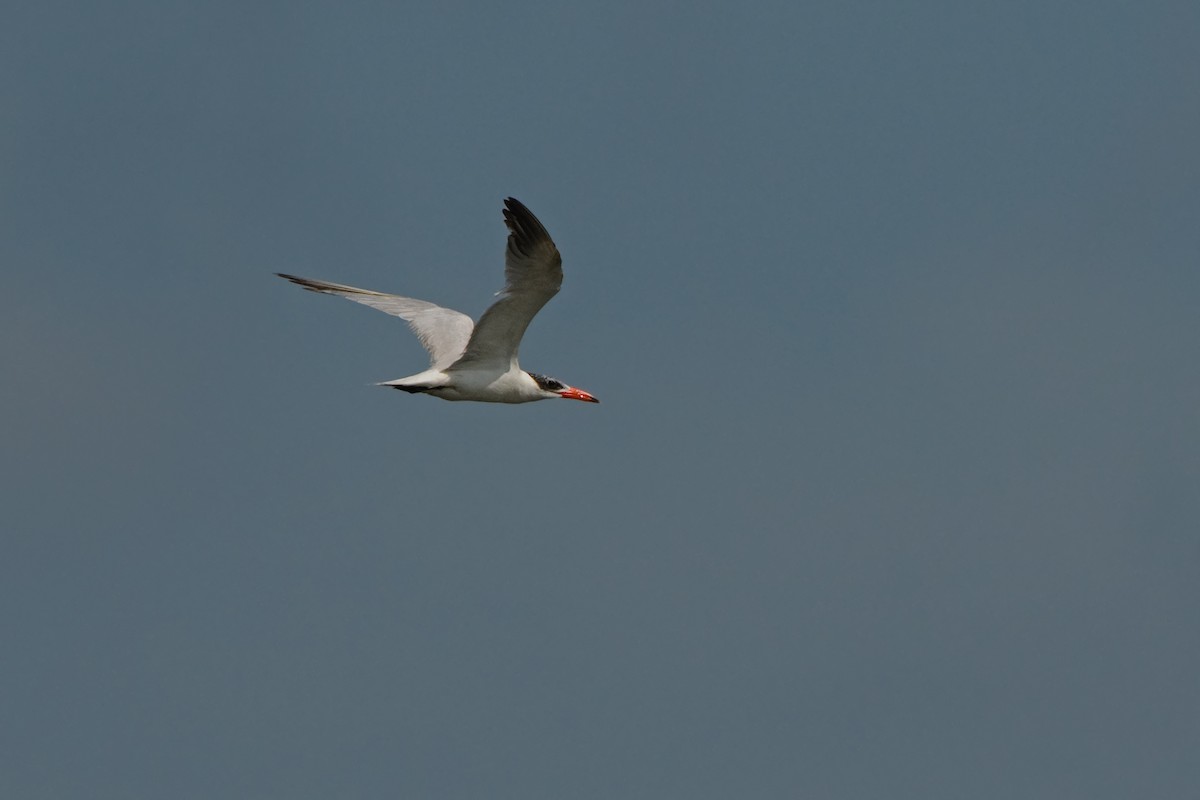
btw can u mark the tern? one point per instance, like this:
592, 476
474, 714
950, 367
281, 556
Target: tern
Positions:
478, 361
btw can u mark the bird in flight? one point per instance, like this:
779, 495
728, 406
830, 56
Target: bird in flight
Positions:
478, 361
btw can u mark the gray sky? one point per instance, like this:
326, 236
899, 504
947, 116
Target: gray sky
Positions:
893, 491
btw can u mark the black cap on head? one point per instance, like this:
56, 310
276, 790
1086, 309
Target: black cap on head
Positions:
549, 384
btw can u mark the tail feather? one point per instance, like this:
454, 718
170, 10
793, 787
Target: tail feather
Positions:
421, 382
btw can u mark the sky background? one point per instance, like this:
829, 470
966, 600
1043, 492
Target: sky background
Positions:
894, 490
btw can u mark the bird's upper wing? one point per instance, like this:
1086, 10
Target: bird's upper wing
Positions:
532, 274
442, 331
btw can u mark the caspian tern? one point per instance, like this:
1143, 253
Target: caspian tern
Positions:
469, 361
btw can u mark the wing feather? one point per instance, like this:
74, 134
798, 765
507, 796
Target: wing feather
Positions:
532, 274
444, 332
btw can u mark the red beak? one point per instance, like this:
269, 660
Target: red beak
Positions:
571, 393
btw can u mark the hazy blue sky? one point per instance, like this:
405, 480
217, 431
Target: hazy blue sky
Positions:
894, 490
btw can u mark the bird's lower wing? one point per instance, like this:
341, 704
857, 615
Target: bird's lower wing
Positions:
444, 332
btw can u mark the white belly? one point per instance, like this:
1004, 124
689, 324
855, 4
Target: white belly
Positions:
513, 386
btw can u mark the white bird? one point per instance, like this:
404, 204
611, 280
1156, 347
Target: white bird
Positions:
469, 361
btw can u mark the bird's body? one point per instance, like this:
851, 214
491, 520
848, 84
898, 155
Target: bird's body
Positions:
513, 385
478, 361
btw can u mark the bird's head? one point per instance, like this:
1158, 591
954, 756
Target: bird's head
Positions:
554, 388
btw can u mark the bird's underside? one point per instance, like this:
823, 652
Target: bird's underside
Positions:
478, 361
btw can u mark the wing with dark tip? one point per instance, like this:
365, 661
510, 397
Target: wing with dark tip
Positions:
532, 274
444, 332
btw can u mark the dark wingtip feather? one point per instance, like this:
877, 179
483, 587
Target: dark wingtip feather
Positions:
302, 282
526, 231
315, 286
296, 279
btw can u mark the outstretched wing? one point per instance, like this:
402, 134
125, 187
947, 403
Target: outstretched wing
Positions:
532, 274
442, 331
